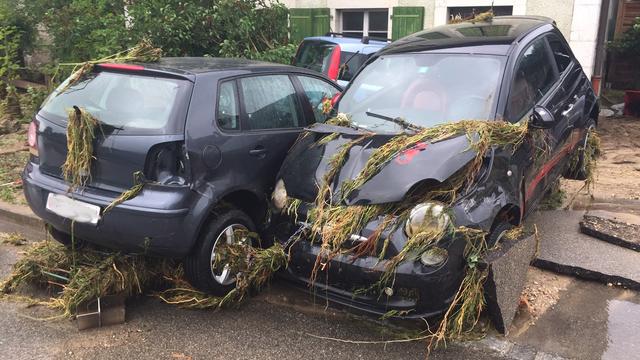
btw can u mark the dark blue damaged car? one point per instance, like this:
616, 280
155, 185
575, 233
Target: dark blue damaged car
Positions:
511, 69
208, 134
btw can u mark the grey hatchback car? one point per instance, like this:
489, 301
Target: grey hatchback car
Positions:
209, 135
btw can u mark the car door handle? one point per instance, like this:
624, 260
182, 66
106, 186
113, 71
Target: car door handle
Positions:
568, 109
259, 151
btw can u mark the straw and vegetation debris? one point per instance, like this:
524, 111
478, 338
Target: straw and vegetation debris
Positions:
143, 52
138, 184
14, 238
81, 133
77, 276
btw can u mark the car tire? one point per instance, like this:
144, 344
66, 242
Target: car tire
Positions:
579, 171
496, 234
198, 265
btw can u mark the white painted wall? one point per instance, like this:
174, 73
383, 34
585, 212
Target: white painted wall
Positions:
577, 19
584, 32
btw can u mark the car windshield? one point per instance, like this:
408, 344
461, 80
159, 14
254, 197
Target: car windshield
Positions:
423, 90
124, 101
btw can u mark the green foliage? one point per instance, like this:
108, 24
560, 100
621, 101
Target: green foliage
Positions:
629, 42
89, 29
9, 44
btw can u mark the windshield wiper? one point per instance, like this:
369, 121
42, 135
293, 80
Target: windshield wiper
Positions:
397, 120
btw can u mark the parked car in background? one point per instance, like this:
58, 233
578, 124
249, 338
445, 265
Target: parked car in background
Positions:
512, 69
209, 135
337, 56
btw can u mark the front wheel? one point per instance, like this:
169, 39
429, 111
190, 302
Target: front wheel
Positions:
201, 269
497, 234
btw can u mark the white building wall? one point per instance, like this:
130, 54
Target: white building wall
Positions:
577, 19
584, 32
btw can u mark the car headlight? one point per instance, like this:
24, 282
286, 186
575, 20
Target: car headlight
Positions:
427, 217
279, 196
434, 257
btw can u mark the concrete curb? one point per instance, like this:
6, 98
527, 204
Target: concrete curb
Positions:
20, 215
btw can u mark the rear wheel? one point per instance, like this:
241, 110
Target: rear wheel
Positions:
222, 228
579, 169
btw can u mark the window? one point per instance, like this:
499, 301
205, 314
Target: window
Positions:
350, 64
270, 102
315, 55
316, 91
127, 101
560, 52
532, 78
460, 13
228, 117
372, 23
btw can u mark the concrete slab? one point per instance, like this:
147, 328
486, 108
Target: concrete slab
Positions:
565, 250
508, 268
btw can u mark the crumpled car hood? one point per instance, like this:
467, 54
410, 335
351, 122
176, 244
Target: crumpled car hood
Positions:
307, 163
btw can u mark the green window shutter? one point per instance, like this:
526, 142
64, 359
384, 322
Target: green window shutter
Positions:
406, 20
308, 22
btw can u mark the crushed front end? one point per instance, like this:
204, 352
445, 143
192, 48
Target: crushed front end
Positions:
384, 247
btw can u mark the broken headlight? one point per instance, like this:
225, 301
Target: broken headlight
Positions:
279, 196
428, 217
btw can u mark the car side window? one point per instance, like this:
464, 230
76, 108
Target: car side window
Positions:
316, 91
228, 117
533, 77
560, 52
270, 102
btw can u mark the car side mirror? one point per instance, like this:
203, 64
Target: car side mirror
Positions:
541, 118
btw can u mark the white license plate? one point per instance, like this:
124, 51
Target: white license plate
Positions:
73, 209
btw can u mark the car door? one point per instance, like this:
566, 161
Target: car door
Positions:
259, 116
535, 82
572, 103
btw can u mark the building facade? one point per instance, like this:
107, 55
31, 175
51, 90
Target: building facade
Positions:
578, 20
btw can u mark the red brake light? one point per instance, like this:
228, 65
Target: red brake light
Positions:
32, 138
334, 63
117, 66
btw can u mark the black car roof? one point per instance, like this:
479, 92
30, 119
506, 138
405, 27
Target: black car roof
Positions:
199, 65
501, 30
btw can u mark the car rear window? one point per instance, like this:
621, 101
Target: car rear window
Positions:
128, 102
314, 55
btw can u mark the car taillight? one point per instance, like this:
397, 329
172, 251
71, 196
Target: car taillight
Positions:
334, 63
32, 138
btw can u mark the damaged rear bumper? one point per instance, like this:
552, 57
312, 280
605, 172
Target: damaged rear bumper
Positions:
417, 291
157, 221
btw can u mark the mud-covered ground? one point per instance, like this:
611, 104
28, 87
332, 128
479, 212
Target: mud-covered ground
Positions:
618, 169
